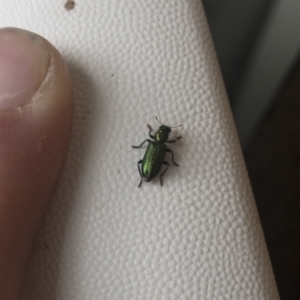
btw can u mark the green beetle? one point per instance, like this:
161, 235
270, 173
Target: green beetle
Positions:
155, 154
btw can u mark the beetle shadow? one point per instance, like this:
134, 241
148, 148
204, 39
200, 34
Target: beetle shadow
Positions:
46, 263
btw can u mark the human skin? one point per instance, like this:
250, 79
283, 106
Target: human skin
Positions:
36, 107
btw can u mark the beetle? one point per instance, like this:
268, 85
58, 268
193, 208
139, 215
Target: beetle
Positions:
155, 153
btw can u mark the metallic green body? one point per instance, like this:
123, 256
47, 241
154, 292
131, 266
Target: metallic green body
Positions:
155, 154
153, 159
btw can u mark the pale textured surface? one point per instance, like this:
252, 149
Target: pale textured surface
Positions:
199, 236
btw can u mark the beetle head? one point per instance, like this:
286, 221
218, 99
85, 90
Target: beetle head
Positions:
162, 133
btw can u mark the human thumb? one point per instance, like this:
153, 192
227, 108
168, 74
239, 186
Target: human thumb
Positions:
35, 124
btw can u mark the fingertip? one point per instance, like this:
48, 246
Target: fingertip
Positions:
36, 108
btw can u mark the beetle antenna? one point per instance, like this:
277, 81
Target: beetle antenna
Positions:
158, 121
176, 126
163, 124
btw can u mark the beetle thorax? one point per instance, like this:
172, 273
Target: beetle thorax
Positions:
162, 134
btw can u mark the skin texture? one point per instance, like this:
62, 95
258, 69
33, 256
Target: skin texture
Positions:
36, 109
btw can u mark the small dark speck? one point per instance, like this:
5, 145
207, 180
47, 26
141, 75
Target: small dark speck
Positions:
119, 171
70, 4
46, 246
112, 74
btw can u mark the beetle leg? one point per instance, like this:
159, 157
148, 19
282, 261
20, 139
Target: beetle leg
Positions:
173, 141
152, 136
140, 183
169, 150
141, 144
161, 175
139, 162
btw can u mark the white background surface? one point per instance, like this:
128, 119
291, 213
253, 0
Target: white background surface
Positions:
199, 236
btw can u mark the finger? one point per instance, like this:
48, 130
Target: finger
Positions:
35, 121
